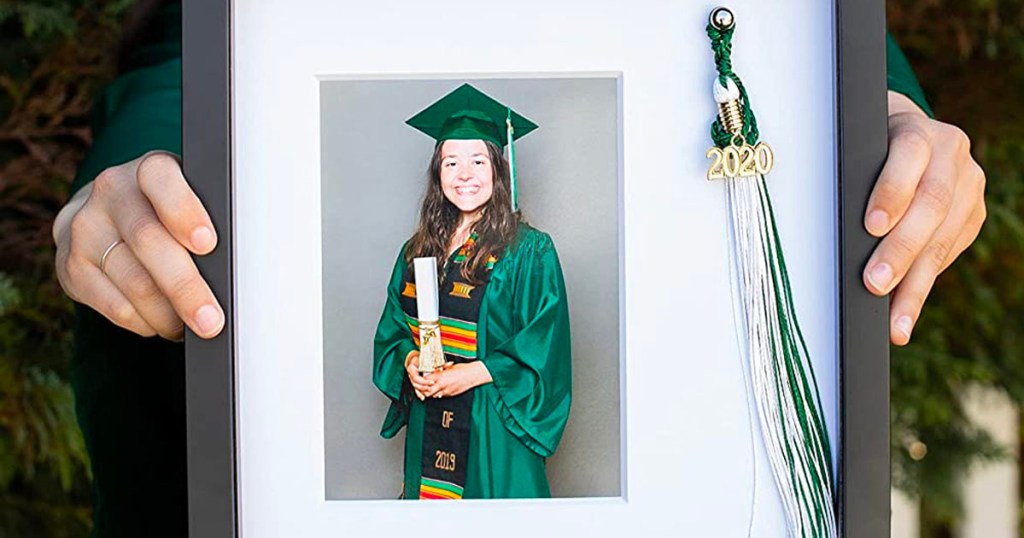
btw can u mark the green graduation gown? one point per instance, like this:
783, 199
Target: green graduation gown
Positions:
523, 340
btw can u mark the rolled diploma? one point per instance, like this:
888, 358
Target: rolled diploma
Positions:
431, 352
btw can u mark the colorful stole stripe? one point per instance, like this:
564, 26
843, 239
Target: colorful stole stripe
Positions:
457, 337
448, 421
431, 489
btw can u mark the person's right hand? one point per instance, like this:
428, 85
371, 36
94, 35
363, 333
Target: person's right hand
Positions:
420, 384
145, 217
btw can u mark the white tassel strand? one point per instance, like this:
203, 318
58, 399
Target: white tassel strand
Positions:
797, 448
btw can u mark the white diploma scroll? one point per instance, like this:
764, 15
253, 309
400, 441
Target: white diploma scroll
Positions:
431, 352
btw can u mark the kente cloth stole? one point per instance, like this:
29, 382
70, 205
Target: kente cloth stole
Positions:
448, 420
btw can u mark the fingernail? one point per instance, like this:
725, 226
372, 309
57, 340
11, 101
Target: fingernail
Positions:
209, 319
880, 276
904, 325
877, 222
202, 239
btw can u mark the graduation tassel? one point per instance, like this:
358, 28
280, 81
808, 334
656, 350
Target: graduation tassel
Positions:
784, 386
512, 161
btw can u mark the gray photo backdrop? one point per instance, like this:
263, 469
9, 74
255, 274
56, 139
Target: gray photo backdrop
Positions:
373, 175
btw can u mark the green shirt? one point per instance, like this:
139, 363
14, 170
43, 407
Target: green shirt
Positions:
900, 76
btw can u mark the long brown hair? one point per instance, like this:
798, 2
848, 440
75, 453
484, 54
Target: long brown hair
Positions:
439, 218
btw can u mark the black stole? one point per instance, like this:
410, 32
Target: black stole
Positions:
447, 423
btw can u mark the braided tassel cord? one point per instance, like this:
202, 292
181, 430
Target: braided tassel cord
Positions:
785, 389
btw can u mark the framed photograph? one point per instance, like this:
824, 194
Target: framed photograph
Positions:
583, 295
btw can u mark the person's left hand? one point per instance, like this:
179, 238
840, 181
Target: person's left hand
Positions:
928, 204
454, 379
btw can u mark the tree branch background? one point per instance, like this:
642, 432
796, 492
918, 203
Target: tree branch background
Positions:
969, 57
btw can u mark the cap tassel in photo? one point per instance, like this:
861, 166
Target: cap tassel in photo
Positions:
512, 161
783, 383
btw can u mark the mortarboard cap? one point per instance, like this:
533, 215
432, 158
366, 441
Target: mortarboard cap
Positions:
467, 113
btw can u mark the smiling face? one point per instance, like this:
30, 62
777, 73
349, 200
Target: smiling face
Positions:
467, 175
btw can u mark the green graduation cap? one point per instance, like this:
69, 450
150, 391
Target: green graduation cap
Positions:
469, 114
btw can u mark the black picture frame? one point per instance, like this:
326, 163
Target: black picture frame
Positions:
861, 144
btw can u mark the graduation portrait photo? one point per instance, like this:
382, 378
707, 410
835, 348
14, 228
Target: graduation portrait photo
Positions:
471, 287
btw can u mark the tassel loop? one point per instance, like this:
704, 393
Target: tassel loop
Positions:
721, 45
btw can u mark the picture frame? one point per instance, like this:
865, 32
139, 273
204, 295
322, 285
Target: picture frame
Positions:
215, 391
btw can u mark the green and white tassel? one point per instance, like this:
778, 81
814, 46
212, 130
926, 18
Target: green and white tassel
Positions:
510, 133
782, 377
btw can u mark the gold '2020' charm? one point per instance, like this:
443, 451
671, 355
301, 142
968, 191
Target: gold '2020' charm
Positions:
740, 161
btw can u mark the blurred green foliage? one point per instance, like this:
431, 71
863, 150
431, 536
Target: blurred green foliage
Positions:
969, 57
54, 55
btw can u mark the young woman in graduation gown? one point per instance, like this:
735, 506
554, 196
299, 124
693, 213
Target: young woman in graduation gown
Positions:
483, 425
